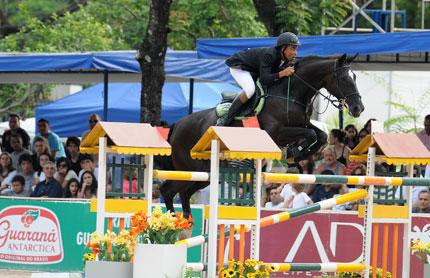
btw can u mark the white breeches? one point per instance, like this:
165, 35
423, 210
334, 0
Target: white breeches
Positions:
245, 81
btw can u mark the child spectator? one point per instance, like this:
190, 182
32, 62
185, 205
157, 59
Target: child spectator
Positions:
299, 198
130, 177
18, 188
156, 194
72, 188
14, 128
49, 188
54, 141
40, 175
26, 171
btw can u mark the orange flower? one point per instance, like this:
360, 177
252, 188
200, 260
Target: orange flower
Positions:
139, 222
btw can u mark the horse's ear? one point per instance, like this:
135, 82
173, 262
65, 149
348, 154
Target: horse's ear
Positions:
342, 59
351, 58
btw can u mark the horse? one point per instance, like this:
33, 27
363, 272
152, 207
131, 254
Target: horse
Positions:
285, 117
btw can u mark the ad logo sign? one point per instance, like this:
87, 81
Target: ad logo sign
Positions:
30, 235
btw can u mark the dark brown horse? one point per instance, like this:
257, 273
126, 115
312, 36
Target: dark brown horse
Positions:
284, 123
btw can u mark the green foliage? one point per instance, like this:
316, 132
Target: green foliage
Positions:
190, 20
306, 17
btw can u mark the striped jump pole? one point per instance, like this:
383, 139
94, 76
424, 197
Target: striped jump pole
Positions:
284, 216
321, 267
336, 179
181, 175
325, 204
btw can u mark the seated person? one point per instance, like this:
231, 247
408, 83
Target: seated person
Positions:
18, 188
423, 203
275, 199
50, 187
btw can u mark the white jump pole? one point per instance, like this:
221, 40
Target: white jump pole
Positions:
101, 188
148, 181
213, 209
367, 240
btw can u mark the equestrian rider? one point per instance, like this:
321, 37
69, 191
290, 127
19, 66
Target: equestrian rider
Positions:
269, 64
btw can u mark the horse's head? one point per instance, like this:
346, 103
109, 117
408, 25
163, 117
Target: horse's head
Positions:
341, 84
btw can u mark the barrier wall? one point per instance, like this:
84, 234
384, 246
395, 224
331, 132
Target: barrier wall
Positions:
50, 235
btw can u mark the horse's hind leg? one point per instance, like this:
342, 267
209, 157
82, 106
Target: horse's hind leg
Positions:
168, 193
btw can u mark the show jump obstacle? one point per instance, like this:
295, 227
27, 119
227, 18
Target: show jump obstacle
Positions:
232, 213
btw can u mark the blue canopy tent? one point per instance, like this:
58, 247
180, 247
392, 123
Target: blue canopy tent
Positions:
69, 115
377, 51
106, 67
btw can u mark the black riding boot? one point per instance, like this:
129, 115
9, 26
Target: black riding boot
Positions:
234, 108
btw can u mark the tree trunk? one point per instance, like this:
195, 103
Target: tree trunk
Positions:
266, 10
151, 55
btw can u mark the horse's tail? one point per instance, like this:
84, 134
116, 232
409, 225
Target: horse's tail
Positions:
165, 162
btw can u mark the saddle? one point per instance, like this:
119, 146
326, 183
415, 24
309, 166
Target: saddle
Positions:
251, 108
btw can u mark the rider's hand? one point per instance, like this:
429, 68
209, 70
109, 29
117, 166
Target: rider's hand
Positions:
286, 72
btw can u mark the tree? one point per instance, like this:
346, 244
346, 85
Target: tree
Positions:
304, 17
151, 55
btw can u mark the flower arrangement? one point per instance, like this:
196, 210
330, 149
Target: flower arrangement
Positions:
160, 228
111, 247
248, 269
421, 250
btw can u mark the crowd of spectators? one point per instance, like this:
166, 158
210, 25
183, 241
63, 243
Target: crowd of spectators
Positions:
44, 167
334, 160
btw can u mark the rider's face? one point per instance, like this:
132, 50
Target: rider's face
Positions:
290, 52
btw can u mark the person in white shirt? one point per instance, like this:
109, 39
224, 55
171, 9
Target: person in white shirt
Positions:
299, 198
275, 199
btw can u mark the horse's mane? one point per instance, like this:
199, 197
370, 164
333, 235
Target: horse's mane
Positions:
309, 59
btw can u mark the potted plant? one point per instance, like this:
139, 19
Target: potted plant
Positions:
158, 256
248, 268
422, 251
114, 253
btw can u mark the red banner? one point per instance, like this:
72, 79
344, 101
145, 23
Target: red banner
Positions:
325, 237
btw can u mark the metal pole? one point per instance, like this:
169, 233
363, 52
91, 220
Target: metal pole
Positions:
422, 13
351, 17
393, 18
407, 227
191, 103
105, 94
379, 28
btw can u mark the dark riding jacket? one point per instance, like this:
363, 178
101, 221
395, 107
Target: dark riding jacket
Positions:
262, 62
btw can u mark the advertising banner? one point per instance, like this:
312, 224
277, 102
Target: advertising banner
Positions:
47, 235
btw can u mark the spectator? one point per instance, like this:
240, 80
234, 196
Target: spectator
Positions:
330, 162
18, 188
40, 146
306, 166
341, 151
25, 170
6, 168
275, 199
323, 192
14, 128
18, 150
40, 175
368, 125
64, 173
156, 194
49, 188
299, 198
73, 153
72, 188
87, 164
55, 144
362, 134
424, 134
88, 185
130, 177
423, 203
351, 139
93, 119
345, 206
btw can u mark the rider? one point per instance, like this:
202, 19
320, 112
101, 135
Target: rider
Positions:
269, 64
